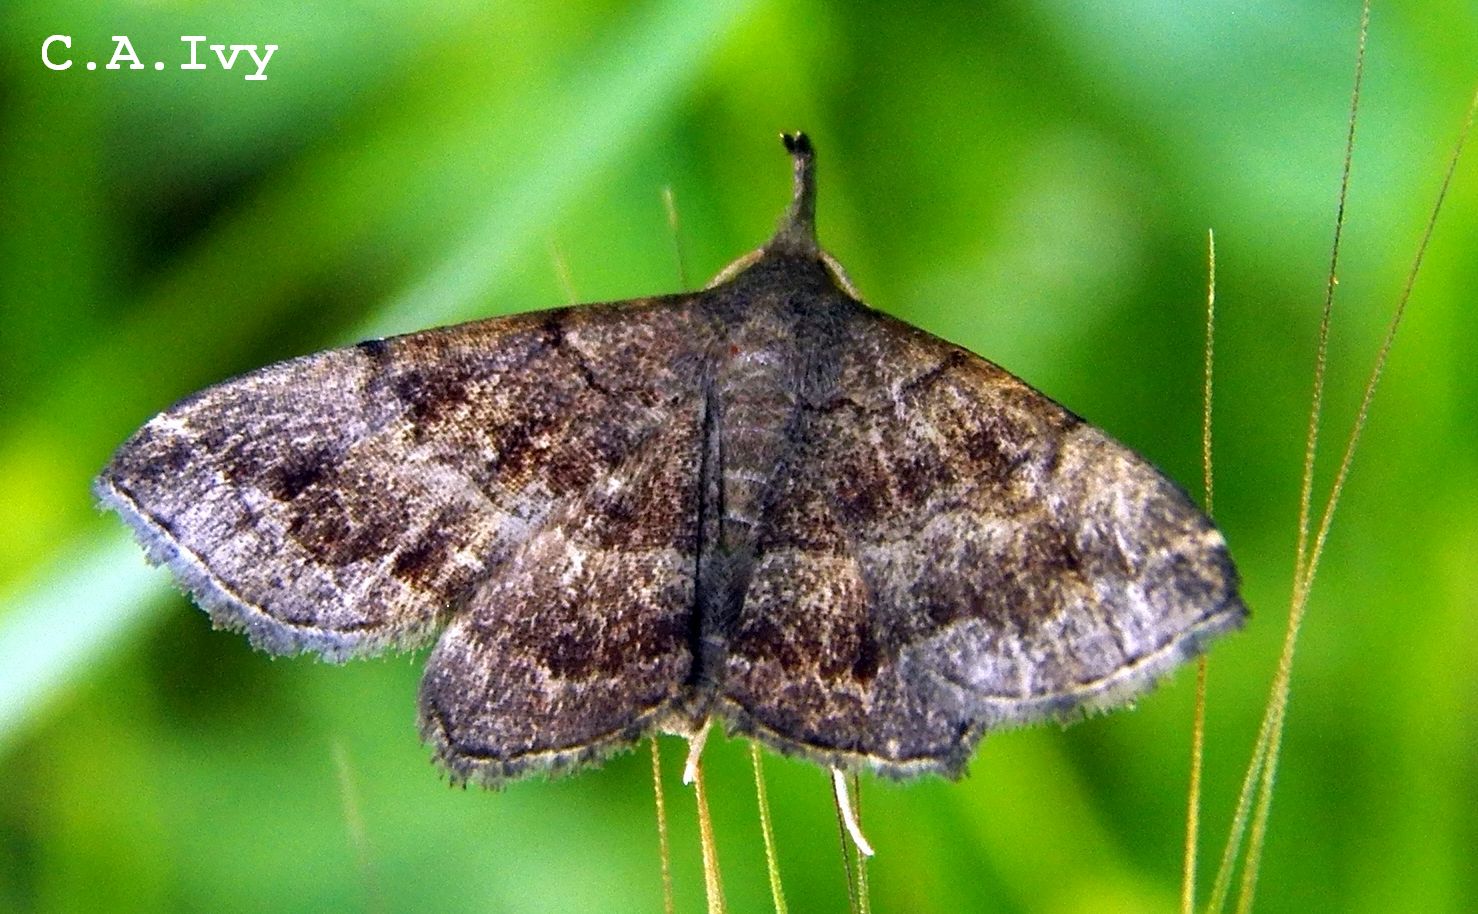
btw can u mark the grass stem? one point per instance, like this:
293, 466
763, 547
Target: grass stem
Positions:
772, 863
664, 847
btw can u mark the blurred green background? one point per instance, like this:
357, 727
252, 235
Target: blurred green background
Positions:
1032, 180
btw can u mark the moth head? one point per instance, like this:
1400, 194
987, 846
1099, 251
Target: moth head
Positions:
796, 234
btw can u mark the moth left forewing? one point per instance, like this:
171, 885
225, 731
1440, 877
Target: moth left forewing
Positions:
344, 502
214, 489
1012, 563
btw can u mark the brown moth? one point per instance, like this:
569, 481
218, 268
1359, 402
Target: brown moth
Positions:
763, 503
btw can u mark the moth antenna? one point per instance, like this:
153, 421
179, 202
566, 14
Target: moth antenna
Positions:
695, 751
849, 816
846, 852
797, 230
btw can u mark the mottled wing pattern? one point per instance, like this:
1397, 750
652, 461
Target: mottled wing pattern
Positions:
581, 641
346, 501
950, 551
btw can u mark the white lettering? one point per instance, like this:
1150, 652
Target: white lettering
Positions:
123, 50
66, 41
261, 62
226, 63
192, 41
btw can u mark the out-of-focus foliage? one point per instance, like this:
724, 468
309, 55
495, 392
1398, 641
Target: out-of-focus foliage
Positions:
1034, 181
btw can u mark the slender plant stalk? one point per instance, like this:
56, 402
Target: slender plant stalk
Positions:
1198, 722
1279, 703
563, 273
1207, 476
772, 862
713, 883
663, 847
669, 203
354, 823
1277, 707
1257, 773
1193, 794
1221, 886
864, 895
1390, 338
1316, 409
666, 849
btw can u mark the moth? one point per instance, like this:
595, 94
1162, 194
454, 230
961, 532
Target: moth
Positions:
763, 504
